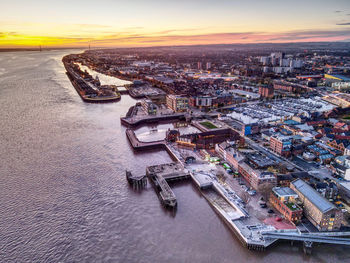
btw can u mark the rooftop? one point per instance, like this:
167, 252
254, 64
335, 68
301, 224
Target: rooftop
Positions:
313, 196
284, 191
292, 206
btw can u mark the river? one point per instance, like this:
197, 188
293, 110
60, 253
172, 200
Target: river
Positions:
64, 197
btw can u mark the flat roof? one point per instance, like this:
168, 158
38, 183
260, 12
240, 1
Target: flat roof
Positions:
313, 196
284, 191
346, 185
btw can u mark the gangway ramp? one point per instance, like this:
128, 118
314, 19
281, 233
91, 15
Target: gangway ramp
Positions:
307, 237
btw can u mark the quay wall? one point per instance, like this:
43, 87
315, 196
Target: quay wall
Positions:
128, 122
232, 225
138, 145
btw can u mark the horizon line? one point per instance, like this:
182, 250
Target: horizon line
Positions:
162, 46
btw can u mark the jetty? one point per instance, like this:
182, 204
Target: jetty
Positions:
161, 175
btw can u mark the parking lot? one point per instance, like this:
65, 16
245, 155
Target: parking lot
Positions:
240, 187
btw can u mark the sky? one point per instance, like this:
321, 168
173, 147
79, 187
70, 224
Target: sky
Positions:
115, 23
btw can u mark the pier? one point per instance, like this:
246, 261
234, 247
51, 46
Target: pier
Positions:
160, 175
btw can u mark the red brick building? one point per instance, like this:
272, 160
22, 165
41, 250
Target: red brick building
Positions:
284, 200
266, 92
290, 87
281, 145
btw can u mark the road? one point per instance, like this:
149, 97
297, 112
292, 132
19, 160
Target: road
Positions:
270, 154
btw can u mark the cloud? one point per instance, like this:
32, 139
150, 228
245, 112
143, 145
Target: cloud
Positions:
344, 24
310, 35
180, 30
133, 28
338, 11
92, 25
177, 37
6, 34
223, 38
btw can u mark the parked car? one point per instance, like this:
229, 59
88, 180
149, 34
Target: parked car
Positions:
263, 205
252, 192
245, 188
270, 211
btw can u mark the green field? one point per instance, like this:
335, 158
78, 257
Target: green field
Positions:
208, 125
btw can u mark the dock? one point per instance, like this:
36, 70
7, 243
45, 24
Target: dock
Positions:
160, 175
86, 89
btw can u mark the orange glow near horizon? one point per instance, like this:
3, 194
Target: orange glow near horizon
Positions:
117, 23
8, 40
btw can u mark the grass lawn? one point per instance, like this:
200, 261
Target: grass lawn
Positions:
208, 125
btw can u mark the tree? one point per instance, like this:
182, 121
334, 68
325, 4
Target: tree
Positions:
245, 197
282, 168
221, 176
265, 190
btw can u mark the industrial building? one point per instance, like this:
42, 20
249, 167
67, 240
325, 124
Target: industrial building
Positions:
321, 213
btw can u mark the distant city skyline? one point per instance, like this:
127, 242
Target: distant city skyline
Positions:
108, 23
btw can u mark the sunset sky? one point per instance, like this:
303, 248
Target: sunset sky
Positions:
114, 23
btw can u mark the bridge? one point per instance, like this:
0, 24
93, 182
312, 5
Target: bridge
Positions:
309, 238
